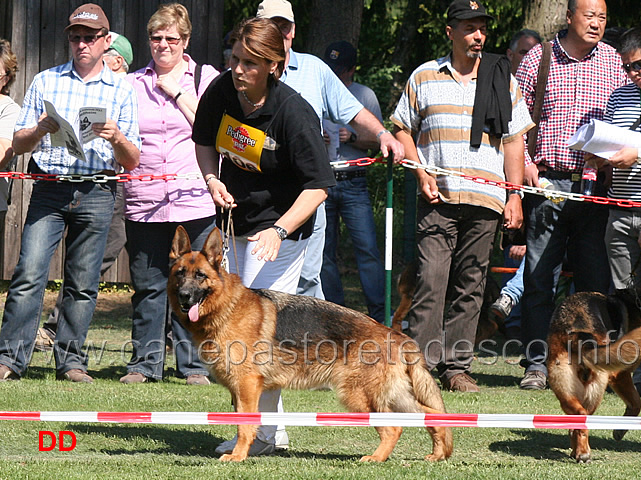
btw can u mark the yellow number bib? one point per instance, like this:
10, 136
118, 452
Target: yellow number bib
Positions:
240, 143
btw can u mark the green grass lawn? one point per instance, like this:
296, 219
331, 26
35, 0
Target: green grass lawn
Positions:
184, 451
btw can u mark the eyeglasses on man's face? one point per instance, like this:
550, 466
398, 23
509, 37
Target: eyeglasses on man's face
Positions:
632, 67
86, 39
170, 40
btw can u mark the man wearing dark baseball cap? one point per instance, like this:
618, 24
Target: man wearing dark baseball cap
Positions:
84, 209
349, 200
462, 112
89, 15
466, 9
340, 56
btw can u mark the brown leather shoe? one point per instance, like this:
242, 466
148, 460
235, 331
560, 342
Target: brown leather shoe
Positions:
461, 382
7, 374
76, 375
198, 380
133, 377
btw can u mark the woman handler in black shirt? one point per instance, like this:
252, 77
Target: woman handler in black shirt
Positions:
274, 171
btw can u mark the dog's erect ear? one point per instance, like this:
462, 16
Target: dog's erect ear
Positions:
213, 249
180, 245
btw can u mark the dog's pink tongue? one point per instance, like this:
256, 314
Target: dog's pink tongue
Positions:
193, 313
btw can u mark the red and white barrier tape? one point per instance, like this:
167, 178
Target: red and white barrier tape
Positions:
591, 422
553, 195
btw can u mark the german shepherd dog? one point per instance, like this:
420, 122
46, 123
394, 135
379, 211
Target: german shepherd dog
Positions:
583, 360
255, 340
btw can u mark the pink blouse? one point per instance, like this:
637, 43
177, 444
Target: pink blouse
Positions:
167, 148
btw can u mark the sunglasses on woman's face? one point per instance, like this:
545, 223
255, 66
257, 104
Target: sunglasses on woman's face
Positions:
632, 67
169, 40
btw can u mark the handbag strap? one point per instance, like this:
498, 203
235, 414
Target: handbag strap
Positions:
197, 73
541, 84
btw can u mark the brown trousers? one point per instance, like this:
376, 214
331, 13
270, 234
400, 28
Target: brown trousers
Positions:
454, 247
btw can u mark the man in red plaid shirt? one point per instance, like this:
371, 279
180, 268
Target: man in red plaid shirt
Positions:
583, 73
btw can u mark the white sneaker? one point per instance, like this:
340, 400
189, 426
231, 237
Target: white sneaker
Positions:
281, 440
257, 448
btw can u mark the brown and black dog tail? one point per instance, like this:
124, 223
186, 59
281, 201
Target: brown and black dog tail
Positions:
624, 354
429, 396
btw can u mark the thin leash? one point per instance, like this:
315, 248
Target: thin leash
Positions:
227, 234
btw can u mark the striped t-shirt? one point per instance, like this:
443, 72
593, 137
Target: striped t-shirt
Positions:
436, 110
624, 108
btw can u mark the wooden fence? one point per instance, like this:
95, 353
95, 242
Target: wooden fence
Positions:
35, 28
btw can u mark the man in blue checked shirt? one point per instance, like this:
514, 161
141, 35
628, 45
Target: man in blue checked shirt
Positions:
84, 209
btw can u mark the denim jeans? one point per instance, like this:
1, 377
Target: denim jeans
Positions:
148, 245
310, 277
85, 210
116, 239
349, 200
513, 288
552, 228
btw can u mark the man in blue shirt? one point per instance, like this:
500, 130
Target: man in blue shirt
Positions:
83, 209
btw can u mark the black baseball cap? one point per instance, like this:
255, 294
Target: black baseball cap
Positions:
466, 9
340, 56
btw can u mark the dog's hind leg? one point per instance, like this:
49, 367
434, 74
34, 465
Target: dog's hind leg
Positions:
621, 383
245, 400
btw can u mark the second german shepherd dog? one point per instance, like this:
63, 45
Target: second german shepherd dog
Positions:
583, 360
255, 340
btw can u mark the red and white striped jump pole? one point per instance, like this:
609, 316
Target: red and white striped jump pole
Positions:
481, 420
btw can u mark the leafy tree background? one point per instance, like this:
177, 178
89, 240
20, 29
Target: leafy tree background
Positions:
396, 36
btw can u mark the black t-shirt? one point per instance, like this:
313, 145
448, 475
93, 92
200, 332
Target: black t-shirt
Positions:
297, 161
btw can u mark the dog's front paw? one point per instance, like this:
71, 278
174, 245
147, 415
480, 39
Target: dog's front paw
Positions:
433, 457
230, 457
582, 457
371, 458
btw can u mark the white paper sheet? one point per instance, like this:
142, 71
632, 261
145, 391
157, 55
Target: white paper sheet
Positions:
603, 139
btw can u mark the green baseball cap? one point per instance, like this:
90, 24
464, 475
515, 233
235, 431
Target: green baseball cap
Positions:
121, 45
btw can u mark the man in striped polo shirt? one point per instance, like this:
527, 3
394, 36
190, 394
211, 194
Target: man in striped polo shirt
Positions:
446, 108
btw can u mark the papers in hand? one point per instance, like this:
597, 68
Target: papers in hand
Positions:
66, 136
603, 139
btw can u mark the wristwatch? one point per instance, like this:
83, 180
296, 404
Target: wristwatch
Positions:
516, 192
280, 231
352, 138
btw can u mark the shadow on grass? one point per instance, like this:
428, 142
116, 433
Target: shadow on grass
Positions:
492, 380
165, 440
556, 445
176, 442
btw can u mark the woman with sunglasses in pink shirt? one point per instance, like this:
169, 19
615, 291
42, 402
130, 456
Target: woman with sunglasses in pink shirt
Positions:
168, 89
